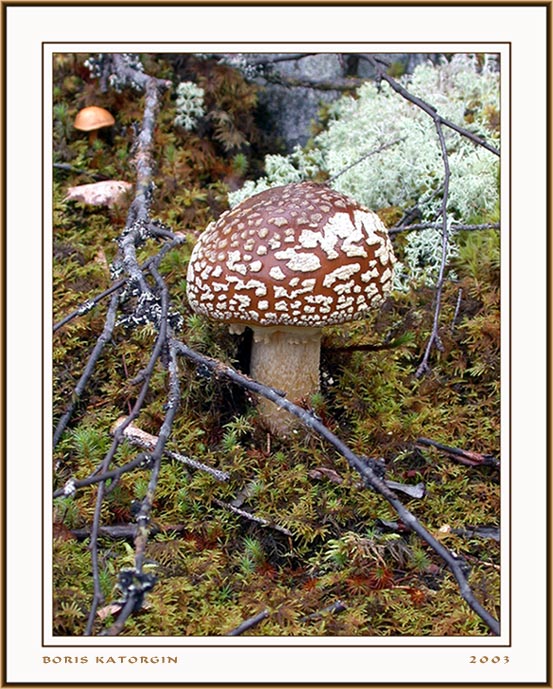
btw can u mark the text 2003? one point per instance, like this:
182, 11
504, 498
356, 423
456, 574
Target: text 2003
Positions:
486, 659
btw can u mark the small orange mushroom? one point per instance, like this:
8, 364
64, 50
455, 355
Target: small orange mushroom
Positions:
91, 119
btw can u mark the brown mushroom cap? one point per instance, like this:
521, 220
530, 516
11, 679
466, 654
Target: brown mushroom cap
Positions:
297, 255
93, 117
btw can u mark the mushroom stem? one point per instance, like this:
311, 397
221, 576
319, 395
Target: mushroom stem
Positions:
285, 358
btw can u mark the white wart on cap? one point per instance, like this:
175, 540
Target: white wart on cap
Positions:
287, 262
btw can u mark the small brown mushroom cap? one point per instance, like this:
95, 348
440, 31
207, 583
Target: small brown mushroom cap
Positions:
93, 117
297, 255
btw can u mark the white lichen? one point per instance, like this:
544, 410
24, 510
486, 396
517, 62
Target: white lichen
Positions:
405, 169
189, 105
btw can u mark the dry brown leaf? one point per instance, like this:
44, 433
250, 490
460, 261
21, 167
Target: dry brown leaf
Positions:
330, 474
109, 610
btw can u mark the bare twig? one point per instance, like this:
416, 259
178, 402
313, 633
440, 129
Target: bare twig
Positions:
89, 304
374, 151
338, 84
258, 60
251, 517
434, 339
138, 437
101, 342
248, 624
129, 607
457, 309
467, 457
69, 168
117, 531
73, 485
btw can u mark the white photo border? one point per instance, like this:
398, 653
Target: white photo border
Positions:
32, 34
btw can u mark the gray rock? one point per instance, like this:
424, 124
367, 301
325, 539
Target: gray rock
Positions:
289, 110
406, 61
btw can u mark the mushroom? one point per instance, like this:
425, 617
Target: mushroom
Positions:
285, 263
91, 119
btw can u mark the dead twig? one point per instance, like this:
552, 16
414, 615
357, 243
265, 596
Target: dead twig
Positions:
467, 457
101, 342
374, 151
251, 517
249, 624
434, 339
140, 438
113, 476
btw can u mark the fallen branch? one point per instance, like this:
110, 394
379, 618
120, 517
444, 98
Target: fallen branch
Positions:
249, 624
138, 437
251, 517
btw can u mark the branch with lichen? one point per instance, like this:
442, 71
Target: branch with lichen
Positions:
151, 305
